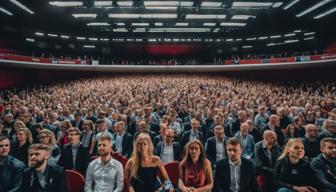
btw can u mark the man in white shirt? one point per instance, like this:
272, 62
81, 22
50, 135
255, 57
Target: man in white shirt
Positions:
104, 174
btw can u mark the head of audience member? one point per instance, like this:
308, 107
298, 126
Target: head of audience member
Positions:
38, 155
250, 124
120, 127
65, 125
194, 153
105, 146
77, 116
148, 111
47, 137
244, 129
172, 117
291, 131
143, 148
298, 122
311, 131
4, 146
101, 115
142, 126
101, 125
53, 117
274, 120
19, 125
261, 110
74, 135
23, 135
294, 150
330, 126
280, 112
182, 107
234, 150
270, 138
195, 124
328, 148
170, 136
219, 132
88, 125
242, 116
8, 118
218, 120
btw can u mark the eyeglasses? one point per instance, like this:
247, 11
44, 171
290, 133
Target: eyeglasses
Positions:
42, 137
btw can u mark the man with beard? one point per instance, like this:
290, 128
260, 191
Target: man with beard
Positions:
42, 176
11, 169
312, 146
104, 174
324, 165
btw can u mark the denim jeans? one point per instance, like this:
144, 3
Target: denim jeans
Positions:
283, 189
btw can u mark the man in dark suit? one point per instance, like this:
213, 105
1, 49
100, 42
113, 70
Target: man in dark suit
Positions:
329, 129
192, 134
237, 122
267, 152
324, 165
77, 122
274, 125
168, 150
142, 128
42, 176
74, 156
311, 144
215, 143
123, 140
235, 173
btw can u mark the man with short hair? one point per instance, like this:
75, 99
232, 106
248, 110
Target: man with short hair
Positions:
311, 144
192, 134
42, 176
11, 169
247, 141
168, 150
77, 122
142, 128
123, 140
74, 155
235, 173
325, 164
329, 129
104, 174
274, 125
102, 128
261, 118
215, 146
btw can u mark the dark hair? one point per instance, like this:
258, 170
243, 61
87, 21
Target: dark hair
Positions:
39, 146
233, 141
327, 140
3, 137
105, 136
74, 129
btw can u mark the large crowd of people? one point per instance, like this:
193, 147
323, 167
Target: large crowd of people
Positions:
228, 135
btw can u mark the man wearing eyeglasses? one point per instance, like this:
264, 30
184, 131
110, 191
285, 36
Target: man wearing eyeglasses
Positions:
168, 150
328, 129
311, 144
215, 146
74, 155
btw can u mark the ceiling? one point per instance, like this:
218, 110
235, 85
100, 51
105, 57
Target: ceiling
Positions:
239, 23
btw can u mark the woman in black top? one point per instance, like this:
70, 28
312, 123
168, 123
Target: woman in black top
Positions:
141, 169
292, 172
20, 147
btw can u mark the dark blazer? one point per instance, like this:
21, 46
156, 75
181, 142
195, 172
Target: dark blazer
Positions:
55, 180
82, 159
80, 125
210, 149
186, 135
312, 147
265, 166
277, 130
11, 174
176, 150
326, 171
127, 145
157, 139
247, 182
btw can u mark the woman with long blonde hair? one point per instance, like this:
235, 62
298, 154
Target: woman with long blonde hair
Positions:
292, 172
141, 169
195, 172
20, 148
47, 137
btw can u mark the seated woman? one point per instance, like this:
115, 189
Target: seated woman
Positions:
142, 168
292, 172
195, 170
47, 137
20, 148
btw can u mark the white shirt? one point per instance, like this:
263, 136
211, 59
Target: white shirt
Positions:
220, 150
167, 153
107, 177
235, 176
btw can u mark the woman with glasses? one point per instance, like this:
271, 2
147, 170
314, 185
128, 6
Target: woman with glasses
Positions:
62, 136
195, 169
47, 137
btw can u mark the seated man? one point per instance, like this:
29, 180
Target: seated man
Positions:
215, 146
42, 176
123, 140
74, 156
325, 164
104, 173
235, 173
168, 150
11, 169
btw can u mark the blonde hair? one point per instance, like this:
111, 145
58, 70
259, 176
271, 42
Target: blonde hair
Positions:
19, 125
28, 134
50, 134
136, 157
289, 144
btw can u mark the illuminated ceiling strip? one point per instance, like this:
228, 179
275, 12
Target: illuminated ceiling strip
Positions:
211, 4
103, 3
39, 34
66, 4
308, 38
89, 46
196, 16
310, 33
243, 17
142, 16
181, 24
289, 35
93, 39
30, 39
85, 15
291, 4
22, 6
275, 36
180, 30
291, 41
98, 24
233, 24
140, 24
120, 30
52, 35
125, 3
65, 36
80, 38
158, 24
209, 24
277, 4
161, 8
169, 3
325, 13
252, 4
6, 11
247, 46
313, 7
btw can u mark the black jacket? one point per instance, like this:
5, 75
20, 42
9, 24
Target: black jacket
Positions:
186, 135
247, 182
210, 149
265, 166
127, 145
326, 171
55, 179
82, 159
312, 148
176, 150
278, 132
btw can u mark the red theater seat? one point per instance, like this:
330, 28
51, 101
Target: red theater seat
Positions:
172, 169
75, 181
123, 160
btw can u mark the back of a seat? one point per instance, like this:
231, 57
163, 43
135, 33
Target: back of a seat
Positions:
172, 169
75, 181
